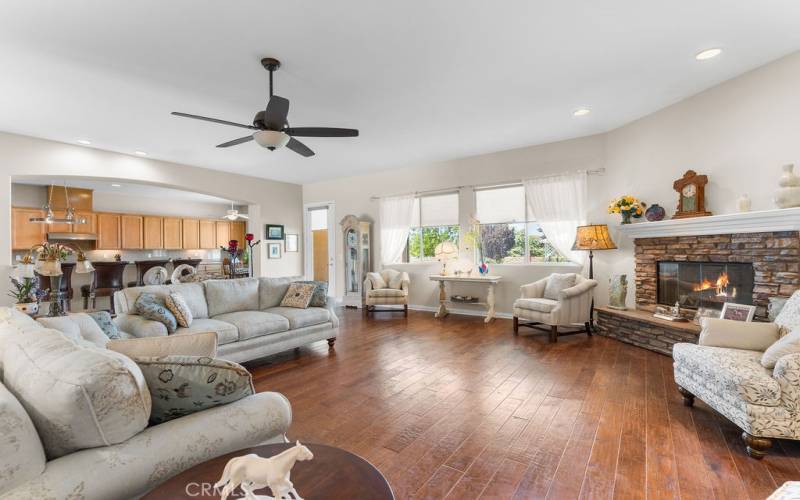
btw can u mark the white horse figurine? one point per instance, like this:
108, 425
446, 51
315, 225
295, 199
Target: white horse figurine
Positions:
253, 472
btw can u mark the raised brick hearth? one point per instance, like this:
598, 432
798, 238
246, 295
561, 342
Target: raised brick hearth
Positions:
775, 257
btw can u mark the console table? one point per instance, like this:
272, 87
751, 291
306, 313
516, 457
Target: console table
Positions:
489, 281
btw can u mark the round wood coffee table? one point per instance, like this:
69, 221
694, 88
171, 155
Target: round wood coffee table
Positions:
332, 474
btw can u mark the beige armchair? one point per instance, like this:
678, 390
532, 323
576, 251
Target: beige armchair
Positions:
388, 287
560, 300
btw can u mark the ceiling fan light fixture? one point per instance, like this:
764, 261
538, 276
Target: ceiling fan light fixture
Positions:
271, 138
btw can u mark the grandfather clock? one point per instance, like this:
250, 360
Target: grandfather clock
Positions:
357, 258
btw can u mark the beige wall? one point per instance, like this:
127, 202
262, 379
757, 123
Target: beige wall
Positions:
268, 201
352, 196
738, 133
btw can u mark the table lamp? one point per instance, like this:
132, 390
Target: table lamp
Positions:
593, 237
444, 251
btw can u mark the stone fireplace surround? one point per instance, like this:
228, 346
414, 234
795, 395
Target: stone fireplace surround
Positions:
769, 240
775, 257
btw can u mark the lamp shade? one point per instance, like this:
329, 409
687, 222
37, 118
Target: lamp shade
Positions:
446, 250
83, 267
271, 138
48, 267
25, 270
593, 237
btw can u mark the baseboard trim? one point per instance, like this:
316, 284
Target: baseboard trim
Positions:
464, 312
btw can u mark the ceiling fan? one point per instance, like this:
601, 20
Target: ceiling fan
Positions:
234, 214
272, 130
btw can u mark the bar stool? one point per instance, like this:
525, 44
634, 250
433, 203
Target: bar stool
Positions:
107, 280
66, 286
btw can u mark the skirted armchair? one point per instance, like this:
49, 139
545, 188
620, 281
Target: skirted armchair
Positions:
560, 300
389, 287
734, 375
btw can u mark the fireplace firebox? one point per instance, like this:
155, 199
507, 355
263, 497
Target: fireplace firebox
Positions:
704, 284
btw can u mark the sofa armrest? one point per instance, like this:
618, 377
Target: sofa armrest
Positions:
533, 290
140, 327
406, 281
787, 373
162, 451
579, 289
367, 285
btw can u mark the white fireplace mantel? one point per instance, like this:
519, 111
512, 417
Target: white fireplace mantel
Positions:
786, 219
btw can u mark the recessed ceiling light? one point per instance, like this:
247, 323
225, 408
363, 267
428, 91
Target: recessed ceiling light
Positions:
708, 54
581, 112
116, 185
140, 153
84, 142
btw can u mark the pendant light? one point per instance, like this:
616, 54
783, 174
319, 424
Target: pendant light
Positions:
49, 218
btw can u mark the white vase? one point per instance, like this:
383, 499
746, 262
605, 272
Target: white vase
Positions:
789, 193
743, 203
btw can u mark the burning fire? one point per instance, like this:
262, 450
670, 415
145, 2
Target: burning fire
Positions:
720, 286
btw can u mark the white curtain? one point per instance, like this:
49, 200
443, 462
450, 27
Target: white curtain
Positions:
558, 203
395, 216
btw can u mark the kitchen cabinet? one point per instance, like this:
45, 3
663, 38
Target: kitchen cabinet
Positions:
208, 234
238, 230
153, 232
173, 233
223, 233
131, 232
191, 234
91, 223
25, 234
108, 232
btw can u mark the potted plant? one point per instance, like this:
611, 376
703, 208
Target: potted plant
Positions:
628, 207
27, 294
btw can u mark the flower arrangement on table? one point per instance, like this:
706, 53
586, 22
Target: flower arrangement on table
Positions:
628, 207
27, 294
234, 254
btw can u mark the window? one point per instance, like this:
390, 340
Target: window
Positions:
508, 234
435, 221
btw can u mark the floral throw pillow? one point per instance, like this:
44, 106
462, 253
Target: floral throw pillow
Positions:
178, 306
320, 296
103, 320
181, 385
152, 307
298, 295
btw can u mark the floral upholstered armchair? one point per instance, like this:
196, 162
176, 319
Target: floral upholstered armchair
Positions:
739, 381
388, 287
560, 300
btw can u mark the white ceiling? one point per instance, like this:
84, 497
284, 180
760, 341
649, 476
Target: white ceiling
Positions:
423, 80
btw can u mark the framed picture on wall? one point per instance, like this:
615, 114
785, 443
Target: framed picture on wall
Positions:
274, 232
291, 242
738, 312
274, 250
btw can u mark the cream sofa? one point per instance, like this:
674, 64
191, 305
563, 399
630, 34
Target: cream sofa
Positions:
124, 467
573, 306
245, 313
763, 402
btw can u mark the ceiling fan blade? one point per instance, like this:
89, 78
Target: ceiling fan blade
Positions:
234, 142
242, 216
277, 110
322, 132
299, 148
213, 120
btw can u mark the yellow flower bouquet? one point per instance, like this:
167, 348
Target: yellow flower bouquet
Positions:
628, 207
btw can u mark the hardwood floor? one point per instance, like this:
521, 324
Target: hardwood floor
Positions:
459, 409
